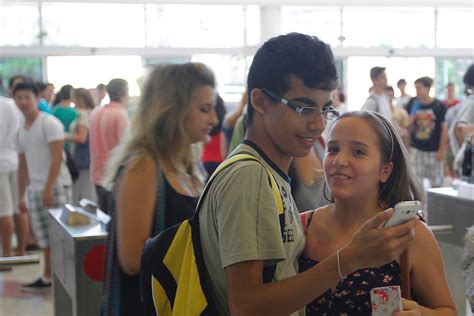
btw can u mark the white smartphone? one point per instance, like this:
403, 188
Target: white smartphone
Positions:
402, 212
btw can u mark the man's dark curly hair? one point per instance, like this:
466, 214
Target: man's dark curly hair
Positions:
304, 56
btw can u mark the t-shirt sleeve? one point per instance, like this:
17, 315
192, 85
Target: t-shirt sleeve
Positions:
443, 110
83, 119
370, 105
247, 218
468, 114
53, 129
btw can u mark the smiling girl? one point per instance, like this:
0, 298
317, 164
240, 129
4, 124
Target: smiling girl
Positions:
367, 172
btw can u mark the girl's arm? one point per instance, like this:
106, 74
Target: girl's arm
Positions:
427, 277
80, 137
135, 207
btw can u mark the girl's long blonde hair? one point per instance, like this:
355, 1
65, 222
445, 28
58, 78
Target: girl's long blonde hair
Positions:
157, 127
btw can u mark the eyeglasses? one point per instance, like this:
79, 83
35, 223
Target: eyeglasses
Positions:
328, 112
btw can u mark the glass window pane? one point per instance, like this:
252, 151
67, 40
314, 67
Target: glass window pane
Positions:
408, 68
19, 25
252, 20
88, 71
321, 22
451, 70
195, 26
230, 73
9, 67
455, 27
389, 27
95, 25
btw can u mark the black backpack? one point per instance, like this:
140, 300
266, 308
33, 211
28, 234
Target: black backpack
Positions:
173, 277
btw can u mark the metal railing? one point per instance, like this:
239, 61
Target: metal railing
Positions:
9, 261
436, 229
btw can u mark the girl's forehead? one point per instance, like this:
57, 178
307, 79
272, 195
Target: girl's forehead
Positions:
353, 128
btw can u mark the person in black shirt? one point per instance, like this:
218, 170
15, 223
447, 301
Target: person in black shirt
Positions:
429, 133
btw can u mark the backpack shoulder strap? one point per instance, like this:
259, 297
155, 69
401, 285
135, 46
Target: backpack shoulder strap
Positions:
241, 157
268, 272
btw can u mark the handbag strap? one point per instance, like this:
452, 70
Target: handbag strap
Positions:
160, 217
405, 271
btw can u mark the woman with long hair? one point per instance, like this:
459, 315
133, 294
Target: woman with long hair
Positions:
79, 138
367, 171
153, 174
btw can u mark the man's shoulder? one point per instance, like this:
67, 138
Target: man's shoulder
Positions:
49, 119
370, 103
439, 106
238, 172
7, 105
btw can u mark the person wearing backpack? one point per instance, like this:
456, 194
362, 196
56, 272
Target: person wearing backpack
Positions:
289, 84
378, 100
154, 175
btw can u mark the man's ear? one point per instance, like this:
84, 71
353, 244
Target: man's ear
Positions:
258, 100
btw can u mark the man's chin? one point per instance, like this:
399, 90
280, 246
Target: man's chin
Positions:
301, 153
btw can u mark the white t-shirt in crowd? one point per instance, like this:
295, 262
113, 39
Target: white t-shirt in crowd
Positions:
33, 142
10, 122
403, 100
380, 104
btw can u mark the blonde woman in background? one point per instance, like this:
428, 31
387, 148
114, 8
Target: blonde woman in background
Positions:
154, 175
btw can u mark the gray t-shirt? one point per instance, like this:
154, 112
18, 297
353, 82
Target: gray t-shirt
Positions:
380, 104
239, 222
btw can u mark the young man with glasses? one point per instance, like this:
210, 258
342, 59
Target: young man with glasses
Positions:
242, 234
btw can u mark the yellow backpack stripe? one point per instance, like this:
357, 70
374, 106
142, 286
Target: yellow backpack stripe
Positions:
180, 262
240, 157
162, 305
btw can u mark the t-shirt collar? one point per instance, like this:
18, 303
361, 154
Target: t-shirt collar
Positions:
267, 159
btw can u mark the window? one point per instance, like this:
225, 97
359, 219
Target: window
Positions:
94, 25
89, 71
19, 25
252, 21
230, 72
451, 70
194, 26
389, 27
30, 67
321, 22
454, 28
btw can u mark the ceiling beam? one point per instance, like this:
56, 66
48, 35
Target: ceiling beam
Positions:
313, 3
149, 52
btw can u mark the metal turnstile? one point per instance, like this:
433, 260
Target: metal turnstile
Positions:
77, 249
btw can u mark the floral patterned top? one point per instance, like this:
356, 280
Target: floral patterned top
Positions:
352, 295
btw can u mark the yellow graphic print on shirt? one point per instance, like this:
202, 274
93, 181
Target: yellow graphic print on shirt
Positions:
425, 124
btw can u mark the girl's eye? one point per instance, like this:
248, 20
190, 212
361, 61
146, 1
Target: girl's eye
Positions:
331, 150
359, 152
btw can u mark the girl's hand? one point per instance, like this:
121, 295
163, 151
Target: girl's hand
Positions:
410, 308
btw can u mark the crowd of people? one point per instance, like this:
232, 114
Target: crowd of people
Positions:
339, 174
